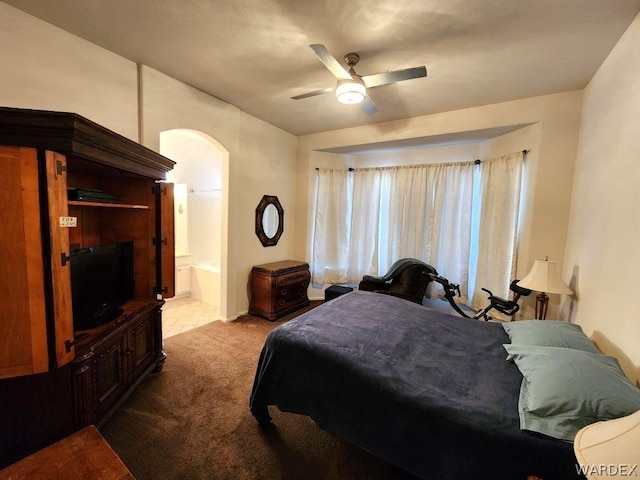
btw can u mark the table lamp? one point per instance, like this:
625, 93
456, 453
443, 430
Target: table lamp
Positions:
609, 449
544, 277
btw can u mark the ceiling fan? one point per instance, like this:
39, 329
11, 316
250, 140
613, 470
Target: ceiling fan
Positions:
351, 87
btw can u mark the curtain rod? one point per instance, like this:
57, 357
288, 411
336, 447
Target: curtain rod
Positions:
350, 169
478, 161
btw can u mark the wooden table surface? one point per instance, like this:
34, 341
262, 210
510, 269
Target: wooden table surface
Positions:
80, 456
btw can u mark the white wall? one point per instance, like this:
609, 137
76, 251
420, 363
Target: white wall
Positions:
181, 220
46, 68
551, 137
603, 256
268, 157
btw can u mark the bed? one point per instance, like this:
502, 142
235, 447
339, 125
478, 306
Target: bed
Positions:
426, 391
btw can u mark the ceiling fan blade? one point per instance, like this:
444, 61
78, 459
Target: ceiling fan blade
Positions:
330, 62
368, 106
314, 93
379, 79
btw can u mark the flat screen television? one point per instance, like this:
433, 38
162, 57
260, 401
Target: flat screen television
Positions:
101, 281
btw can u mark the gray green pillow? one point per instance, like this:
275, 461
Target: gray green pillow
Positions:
548, 333
565, 389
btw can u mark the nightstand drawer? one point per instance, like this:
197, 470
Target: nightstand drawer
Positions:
292, 300
292, 279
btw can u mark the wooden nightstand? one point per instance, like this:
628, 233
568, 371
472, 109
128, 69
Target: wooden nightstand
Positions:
278, 288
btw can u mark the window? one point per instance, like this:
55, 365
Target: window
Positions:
459, 217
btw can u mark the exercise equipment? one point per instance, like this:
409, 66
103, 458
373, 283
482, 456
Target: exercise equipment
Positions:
502, 305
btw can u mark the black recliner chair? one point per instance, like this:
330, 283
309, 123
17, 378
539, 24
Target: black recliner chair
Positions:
407, 278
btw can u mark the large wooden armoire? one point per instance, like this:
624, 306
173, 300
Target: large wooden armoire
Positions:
54, 378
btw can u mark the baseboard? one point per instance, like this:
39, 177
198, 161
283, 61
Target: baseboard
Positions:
234, 317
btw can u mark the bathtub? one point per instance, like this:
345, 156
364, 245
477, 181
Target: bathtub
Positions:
205, 283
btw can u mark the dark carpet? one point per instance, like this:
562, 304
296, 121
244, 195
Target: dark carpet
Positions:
192, 420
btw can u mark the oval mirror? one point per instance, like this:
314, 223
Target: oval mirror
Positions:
269, 220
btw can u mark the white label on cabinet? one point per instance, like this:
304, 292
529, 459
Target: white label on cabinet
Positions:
66, 222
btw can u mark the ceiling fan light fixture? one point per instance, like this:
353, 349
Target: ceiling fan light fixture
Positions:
351, 87
350, 91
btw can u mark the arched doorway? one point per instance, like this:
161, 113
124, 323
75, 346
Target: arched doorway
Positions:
201, 220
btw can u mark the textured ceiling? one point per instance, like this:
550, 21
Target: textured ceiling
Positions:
254, 54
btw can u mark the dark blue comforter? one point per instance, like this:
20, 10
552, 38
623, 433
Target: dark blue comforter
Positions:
429, 392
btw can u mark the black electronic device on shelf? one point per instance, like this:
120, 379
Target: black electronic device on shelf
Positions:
92, 195
101, 281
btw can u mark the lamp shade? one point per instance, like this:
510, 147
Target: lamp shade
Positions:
613, 443
350, 91
545, 277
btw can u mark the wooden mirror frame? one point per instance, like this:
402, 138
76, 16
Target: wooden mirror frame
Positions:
260, 209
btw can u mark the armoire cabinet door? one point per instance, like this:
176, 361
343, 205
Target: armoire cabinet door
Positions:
141, 346
56, 167
108, 373
23, 322
166, 280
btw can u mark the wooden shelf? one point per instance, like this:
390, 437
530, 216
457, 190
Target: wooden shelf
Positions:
132, 308
108, 205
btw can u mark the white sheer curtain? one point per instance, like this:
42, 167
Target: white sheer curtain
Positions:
369, 218
451, 229
332, 227
405, 194
428, 216
365, 224
421, 211
501, 180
